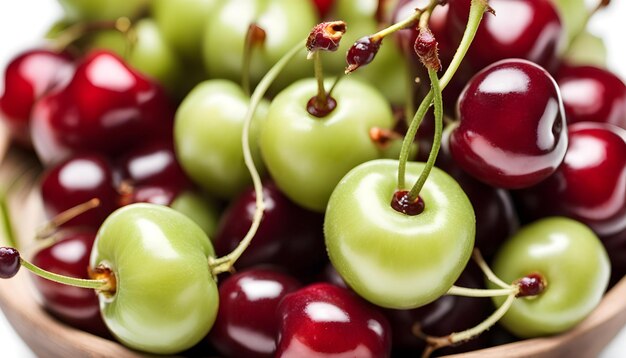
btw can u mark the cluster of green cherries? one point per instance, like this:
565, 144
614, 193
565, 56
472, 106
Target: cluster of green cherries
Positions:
317, 146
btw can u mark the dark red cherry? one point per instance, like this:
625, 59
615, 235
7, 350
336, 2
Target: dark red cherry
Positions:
9, 262
511, 131
289, 236
77, 307
439, 318
592, 94
29, 76
247, 323
107, 107
153, 163
616, 248
590, 185
496, 218
76, 181
528, 29
323, 320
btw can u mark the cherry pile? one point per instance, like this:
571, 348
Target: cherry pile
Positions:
205, 192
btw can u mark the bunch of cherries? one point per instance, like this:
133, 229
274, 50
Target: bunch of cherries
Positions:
159, 182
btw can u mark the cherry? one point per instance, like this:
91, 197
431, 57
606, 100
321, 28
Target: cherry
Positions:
526, 29
323, 6
76, 181
247, 323
289, 236
69, 256
446, 314
107, 107
9, 262
321, 320
155, 194
28, 77
511, 131
592, 94
590, 185
153, 163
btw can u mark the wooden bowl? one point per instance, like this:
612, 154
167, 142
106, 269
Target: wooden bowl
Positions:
49, 338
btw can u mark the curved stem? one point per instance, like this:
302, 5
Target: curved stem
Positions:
65, 216
440, 342
406, 23
101, 285
225, 263
600, 5
491, 276
9, 230
477, 292
434, 151
477, 9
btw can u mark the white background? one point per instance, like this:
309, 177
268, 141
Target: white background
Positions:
23, 23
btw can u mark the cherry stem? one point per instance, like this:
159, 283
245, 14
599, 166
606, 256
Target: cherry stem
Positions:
322, 99
478, 292
100, 285
404, 24
10, 234
51, 226
491, 276
78, 30
225, 263
477, 9
434, 151
434, 343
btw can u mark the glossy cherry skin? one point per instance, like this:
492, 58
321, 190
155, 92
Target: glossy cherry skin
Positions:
590, 185
76, 181
77, 307
289, 236
592, 94
247, 323
511, 131
528, 29
389, 258
323, 320
496, 218
29, 76
441, 317
153, 163
107, 107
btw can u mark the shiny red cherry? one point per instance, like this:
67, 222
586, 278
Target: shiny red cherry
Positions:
153, 163
289, 236
616, 248
77, 307
323, 7
496, 218
154, 194
592, 94
511, 131
323, 320
590, 185
247, 323
107, 107
29, 76
528, 29
76, 181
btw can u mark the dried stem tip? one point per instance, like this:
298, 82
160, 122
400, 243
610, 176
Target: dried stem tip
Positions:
530, 285
426, 49
325, 36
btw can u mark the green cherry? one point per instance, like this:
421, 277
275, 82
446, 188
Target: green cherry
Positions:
575, 268
166, 298
202, 210
207, 137
389, 258
307, 155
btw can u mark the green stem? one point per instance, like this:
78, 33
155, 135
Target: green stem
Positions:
476, 292
319, 75
477, 9
70, 281
404, 24
434, 151
225, 263
440, 342
491, 276
600, 5
7, 222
